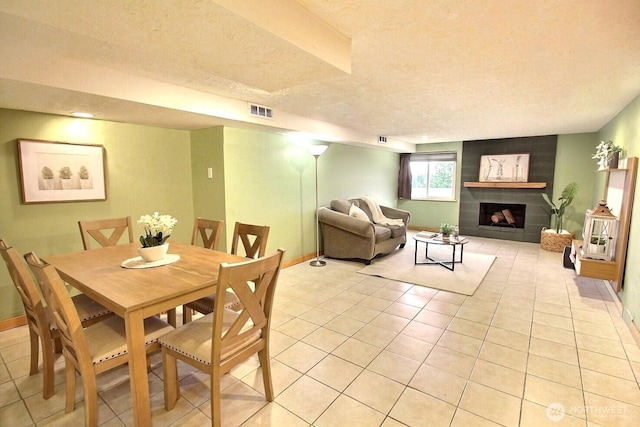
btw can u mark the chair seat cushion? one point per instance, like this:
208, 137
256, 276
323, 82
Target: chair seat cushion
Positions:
108, 339
87, 309
198, 335
205, 304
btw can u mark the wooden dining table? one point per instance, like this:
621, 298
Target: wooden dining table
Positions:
137, 293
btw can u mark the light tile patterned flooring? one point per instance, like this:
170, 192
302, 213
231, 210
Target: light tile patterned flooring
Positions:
534, 346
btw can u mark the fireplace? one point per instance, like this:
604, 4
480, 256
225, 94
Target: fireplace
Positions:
502, 215
535, 214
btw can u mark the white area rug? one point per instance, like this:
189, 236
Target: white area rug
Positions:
399, 266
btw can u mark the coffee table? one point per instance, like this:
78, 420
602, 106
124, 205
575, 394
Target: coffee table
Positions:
437, 240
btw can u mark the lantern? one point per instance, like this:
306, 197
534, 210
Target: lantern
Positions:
599, 233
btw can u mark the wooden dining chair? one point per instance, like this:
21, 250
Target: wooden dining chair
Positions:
106, 232
207, 232
221, 340
41, 328
92, 350
252, 239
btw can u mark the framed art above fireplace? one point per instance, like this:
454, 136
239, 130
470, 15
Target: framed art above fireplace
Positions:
504, 168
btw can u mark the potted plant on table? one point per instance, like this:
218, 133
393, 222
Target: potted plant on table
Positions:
157, 229
555, 240
446, 230
607, 154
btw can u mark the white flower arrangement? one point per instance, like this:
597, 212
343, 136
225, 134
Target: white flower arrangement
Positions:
604, 153
157, 229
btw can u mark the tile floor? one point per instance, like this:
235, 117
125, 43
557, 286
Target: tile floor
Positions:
534, 346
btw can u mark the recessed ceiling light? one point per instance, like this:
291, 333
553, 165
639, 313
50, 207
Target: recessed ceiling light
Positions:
82, 115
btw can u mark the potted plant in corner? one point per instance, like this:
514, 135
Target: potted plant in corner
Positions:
446, 230
65, 177
555, 240
47, 178
607, 154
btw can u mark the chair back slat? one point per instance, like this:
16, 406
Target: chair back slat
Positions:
208, 231
261, 274
26, 287
62, 311
106, 232
253, 239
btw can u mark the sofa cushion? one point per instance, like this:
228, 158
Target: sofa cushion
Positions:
382, 233
364, 206
341, 205
397, 230
356, 212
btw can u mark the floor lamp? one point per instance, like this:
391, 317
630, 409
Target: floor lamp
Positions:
316, 151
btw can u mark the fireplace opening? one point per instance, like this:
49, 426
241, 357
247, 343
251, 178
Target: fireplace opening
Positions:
502, 215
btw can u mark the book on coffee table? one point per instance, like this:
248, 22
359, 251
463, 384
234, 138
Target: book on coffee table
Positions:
426, 234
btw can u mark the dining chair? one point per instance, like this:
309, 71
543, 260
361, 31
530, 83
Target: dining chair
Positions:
208, 232
106, 232
91, 350
41, 328
254, 244
225, 338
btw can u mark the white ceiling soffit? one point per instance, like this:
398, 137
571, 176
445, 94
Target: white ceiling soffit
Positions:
351, 69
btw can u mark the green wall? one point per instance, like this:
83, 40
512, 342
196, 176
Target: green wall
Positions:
207, 151
145, 173
427, 214
258, 177
624, 130
574, 164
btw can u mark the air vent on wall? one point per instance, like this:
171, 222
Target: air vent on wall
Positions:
260, 111
382, 139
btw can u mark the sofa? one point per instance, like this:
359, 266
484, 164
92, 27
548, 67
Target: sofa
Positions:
356, 236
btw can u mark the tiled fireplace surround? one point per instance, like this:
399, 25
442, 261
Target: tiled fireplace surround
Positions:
542, 159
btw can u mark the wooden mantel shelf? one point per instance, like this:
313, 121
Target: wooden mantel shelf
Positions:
470, 184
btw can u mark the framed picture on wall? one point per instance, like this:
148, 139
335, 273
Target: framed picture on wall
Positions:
52, 172
504, 168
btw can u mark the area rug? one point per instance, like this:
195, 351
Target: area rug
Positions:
399, 266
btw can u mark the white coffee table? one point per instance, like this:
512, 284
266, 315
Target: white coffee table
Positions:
459, 241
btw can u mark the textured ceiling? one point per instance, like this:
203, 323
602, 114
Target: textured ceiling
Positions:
346, 69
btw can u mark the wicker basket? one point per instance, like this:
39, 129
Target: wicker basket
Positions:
553, 242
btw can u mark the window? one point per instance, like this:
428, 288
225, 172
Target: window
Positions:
433, 176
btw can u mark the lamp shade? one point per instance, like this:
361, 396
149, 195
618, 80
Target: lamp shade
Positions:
317, 150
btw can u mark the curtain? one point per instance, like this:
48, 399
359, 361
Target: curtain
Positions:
404, 177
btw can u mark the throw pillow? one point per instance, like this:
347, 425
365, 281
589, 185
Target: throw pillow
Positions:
356, 212
341, 205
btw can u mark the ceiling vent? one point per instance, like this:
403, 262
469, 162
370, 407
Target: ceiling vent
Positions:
382, 139
260, 111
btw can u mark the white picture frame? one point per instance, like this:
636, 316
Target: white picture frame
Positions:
56, 172
504, 168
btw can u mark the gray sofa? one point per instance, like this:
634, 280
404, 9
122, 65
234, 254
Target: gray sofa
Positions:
347, 237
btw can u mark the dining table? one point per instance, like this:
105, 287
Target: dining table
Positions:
115, 277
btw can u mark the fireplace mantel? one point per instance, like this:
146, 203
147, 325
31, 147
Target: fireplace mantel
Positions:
470, 184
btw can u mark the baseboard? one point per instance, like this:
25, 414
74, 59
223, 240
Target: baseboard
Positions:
299, 260
418, 228
13, 322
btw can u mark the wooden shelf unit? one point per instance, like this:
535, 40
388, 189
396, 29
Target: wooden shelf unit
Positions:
595, 268
620, 184
472, 184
